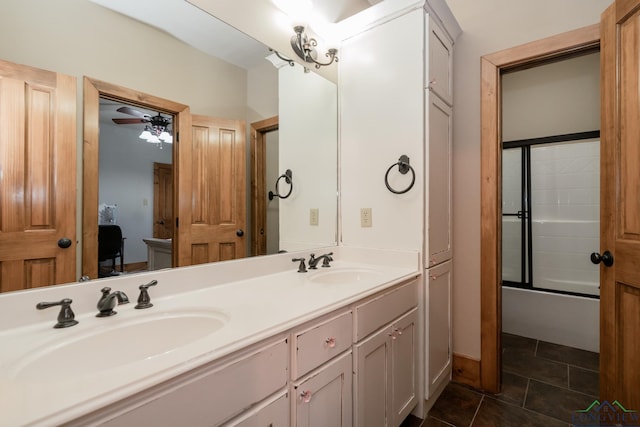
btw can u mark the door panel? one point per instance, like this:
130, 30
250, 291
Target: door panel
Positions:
214, 230
620, 233
37, 177
162, 201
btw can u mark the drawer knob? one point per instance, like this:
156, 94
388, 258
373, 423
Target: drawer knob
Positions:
433, 276
305, 396
395, 333
331, 342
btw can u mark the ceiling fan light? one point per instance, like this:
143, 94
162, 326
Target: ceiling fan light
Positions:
145, 134
153, 139
164, 136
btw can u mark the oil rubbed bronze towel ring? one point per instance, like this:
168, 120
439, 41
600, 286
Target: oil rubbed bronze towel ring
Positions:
288, 178
403, 167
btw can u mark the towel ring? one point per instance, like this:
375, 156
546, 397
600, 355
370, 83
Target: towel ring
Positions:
403, 168
288, 178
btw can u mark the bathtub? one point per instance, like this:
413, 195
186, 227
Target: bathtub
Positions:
561, 319
561, 250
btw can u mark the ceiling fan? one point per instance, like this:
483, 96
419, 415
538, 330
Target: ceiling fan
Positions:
156, 129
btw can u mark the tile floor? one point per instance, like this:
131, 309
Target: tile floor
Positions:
542, 385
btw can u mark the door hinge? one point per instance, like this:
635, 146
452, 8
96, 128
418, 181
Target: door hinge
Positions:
177, 136
176, 222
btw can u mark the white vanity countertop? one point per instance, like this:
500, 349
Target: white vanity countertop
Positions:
51, 376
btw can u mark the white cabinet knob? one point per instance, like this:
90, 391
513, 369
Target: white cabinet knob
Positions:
331, 342
305, 396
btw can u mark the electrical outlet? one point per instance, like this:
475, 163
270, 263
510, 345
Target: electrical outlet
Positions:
365, 217
313, 216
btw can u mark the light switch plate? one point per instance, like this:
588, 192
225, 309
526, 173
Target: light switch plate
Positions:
365, 217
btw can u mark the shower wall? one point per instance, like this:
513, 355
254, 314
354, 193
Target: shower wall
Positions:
565, 210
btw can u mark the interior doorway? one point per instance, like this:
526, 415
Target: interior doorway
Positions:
492, 68
94, 90
264, 221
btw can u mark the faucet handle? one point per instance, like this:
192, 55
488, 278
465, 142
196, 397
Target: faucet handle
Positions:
327, 258
66, 317
144, 300
302, 268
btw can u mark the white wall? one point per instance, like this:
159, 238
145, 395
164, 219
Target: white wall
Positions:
308, 136
489, 26
374, 133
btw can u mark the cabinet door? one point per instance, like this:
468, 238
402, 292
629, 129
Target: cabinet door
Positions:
324, 398
372, 387
440, 63
404, 353
439, 202
438, 326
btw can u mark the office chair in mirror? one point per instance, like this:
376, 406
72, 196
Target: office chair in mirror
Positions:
110, 247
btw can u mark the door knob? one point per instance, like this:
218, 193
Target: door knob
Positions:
240, 233
64, 243
606, 258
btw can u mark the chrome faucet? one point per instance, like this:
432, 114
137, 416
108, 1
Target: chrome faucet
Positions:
326, 258
108, 301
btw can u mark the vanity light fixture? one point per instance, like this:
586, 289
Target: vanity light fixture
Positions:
304, 47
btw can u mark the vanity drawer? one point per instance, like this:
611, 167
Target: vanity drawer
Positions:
208, 397
320, 342
384, 308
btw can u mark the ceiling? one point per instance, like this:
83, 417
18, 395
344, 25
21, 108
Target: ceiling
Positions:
208, 34
194, 27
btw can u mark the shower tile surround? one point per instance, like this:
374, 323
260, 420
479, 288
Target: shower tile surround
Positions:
565, 186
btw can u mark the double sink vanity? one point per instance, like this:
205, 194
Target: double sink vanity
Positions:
245, 343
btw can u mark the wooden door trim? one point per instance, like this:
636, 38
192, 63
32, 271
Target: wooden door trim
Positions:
93, 90
258, 186
492, 66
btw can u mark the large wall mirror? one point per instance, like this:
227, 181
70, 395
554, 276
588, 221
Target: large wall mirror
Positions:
281, 106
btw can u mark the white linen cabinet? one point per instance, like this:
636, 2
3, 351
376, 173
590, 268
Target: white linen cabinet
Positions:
396, 98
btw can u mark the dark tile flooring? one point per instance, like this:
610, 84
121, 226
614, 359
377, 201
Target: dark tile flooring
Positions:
542, 385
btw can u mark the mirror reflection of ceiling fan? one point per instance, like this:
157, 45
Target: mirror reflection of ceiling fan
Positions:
156, 128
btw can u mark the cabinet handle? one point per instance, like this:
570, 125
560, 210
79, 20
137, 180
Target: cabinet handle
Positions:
433, 276
305, 396
331, 342
395, 333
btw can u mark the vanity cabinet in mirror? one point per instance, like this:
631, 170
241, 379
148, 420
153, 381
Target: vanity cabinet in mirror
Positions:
80, 38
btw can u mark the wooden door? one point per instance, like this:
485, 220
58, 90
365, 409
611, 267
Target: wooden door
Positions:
259, 132
162, 201
211, 222
37, 177
620, 204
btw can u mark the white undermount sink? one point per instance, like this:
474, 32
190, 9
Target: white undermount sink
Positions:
105, 347
343, 275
